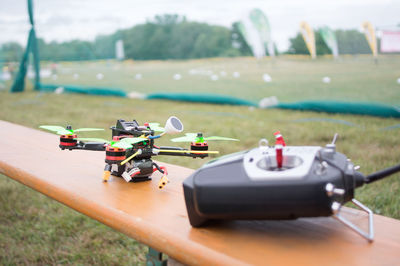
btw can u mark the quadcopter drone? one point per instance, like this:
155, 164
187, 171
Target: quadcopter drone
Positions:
129, 153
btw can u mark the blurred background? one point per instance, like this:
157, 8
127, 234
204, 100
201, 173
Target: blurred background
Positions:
95, 44
309, 69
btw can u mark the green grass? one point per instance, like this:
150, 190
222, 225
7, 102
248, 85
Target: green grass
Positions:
37, 230
293, 78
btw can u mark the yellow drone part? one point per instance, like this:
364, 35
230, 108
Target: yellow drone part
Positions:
106, 176
191, 151
163, 181
130, 157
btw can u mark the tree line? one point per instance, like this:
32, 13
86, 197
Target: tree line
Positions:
173, 37
349, 42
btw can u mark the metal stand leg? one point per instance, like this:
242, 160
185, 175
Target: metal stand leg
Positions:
154, 258
367, 235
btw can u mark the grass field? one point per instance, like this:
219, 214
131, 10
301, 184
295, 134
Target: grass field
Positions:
293, 78
37, 230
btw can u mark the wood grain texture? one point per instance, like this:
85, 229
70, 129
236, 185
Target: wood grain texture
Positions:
159, 219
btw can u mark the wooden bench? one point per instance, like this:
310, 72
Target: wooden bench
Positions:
159, 219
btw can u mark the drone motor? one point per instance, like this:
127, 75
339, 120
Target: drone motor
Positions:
68, 141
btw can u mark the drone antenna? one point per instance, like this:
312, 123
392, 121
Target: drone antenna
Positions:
335, 138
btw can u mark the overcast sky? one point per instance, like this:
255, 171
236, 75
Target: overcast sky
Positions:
84, 19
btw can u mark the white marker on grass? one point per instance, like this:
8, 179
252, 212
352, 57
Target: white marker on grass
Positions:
236, 74
6, 76
326, 80
268, 102
214, 77
398, 81
45, 73
138, 76
267, 78
30, 74
100, 76
75, 76
59, 90
136, 95
177, 76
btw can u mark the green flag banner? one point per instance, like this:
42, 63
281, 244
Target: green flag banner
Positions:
252, 37
330, 39
260, 22
31, 47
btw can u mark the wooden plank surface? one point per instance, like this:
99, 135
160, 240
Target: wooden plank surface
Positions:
159, 219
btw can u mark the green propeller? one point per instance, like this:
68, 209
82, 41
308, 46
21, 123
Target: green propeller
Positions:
125, 143
134, 140
198, 138
156, 127
68, 131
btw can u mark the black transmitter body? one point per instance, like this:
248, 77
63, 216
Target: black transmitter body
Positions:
249, 185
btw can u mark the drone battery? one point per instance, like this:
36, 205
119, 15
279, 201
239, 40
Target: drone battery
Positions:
118, 138
68, 140
146, 169
115, 155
